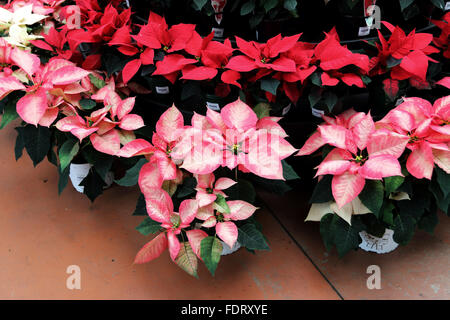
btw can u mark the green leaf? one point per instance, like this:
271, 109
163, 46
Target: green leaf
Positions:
346, 237
270, 85
327, 229
141, 208
404, 226
221, 204
93, 185
322, 192
392, 62
290, 4
405, 3
20, 145
288, 172
391, 184
67, 152
148, 226
439, 4
270, 4
132, 175
314, 97
9, 113
429, 221
37, 142
330, 100
243, 190
247, 7
262, 110
187, 260
87, 104
199, 4
98, 83
443, 180
372, 196
387, 213
63, 179
210, 252
254, 21
251, 238
316, 79
102, 162
187, 188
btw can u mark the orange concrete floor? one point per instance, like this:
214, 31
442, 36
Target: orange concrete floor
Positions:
42, 234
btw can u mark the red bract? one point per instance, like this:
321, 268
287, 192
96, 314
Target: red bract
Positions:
405, 56
54, 42
264, 56
444, 39
332, 57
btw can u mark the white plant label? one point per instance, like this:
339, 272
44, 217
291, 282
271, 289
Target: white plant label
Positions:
447, 6
363, 31
213, 106
77, 174
226, 250
162, 90
286, 109
218, 32
384, 244
317, 113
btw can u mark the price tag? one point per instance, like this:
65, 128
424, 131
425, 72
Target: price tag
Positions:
213, 106
317, 113
364, 31
218, 32
379, 245
162, 90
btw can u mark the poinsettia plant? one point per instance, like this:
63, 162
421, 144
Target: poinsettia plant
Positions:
395, 170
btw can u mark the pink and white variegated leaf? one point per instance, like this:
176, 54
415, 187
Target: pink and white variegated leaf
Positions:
228, 232
420, 162
346, 187
386, 142
174, 245
149, 178
8, 85
169, 127
152, 249
381, 166
32, 107
195, 238
136, 148
363, 130
312, 144
108, 143
188, 211
68, 75
240, 210
131, 122
224, 183
442, 159
238, 115
28, 62
334, 135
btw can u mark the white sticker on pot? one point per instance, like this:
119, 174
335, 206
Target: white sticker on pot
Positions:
162, 90
317, 113
77, 174
364, 31
286, 109
384, 244
213, 106
447, 6
257, 35
218, 32
227, 250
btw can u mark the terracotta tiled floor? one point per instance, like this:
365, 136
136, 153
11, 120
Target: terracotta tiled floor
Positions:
41, 234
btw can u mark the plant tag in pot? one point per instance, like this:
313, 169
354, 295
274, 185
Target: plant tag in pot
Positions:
77, 174
218, 32
363, 31
162, 90
317, 113
218, 6
371, 243
227, 250
447, 6
213, 106
286, 109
